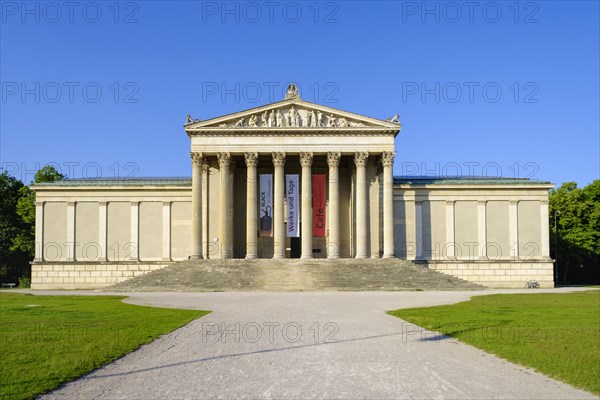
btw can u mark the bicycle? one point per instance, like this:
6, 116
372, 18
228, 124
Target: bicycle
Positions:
532, 284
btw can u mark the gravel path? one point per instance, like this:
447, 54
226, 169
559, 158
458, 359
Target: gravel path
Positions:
309, 345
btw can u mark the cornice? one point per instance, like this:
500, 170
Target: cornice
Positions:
287, 131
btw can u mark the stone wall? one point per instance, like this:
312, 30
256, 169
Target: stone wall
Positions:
498, 274
87, 275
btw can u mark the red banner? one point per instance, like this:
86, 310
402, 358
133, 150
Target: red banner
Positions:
318, 192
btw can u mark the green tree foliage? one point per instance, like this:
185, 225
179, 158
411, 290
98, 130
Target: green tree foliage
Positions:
17, 223
47, 174
576, 238
25, 239
13, 262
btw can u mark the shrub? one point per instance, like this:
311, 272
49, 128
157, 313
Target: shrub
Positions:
24, 282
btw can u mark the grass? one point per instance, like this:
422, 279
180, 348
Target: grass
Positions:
49, 340
555, 333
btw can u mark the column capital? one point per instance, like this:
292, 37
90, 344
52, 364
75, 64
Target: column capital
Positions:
197, 158
251, 159
224, 159
387, 158
333, 158
360, 158
482, 202
513, 202
205, 167
306, 158
39, 203
278, 158
544, 202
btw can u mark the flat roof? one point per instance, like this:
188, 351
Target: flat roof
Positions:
466, 180
187, 181
123, 181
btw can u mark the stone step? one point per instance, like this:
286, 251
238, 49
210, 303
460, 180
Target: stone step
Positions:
294, 275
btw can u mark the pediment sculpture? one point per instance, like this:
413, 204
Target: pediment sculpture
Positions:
292, 117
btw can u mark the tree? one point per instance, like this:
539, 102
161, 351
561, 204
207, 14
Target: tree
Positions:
25, 240
47, 174
576, 242
17, 223
13, 262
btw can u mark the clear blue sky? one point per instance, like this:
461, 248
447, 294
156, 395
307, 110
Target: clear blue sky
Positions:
496, 87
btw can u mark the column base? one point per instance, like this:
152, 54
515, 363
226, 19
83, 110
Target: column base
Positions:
334, 257
196, 257
278, 257
306, 257
251, 257
388, 256
360, 256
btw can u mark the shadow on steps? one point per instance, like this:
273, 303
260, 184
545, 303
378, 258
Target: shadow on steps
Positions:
294, 275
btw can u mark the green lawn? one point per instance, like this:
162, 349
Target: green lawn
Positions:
557, 334
48, 340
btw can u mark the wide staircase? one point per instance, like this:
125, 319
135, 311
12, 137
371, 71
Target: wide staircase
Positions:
294, 275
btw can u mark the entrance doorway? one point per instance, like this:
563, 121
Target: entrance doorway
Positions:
295, 247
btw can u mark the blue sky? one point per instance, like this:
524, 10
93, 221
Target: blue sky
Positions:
482, 88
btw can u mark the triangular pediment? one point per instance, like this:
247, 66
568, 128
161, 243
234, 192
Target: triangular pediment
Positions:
292, 114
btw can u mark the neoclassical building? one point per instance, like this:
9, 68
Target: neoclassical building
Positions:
291, 179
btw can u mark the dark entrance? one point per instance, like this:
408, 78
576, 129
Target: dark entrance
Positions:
295, 248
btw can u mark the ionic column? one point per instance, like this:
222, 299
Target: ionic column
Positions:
251, 200
387, 159
205, 170
70, 231
135, 231
278, 217
224, 166
307, 238
545, 239
513, 213
482, 229
39, 231
166, 225
360, 160
197, 161
230, 191
102, 230
333, 160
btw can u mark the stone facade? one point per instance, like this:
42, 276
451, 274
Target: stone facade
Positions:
87, 275
93, 233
